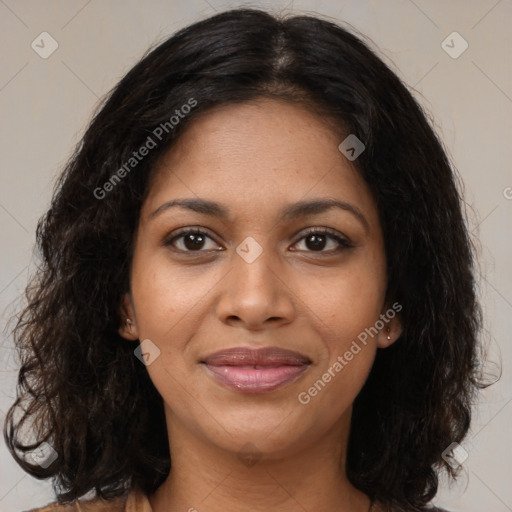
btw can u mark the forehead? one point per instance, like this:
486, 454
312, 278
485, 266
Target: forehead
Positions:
261, 153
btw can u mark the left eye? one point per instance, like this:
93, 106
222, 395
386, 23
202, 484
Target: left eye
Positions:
315, 240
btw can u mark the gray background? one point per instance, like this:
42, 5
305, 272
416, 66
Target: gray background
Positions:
46, 103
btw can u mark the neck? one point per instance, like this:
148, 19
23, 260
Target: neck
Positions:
207, 477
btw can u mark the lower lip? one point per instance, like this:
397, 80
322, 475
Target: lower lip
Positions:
248, 379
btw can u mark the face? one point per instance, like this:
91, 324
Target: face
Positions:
257, 277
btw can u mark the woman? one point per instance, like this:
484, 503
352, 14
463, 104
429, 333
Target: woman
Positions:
257, 288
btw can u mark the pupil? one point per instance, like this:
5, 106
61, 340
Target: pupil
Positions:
317, 241
193, 241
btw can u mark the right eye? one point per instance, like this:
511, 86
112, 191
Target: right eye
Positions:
190, 240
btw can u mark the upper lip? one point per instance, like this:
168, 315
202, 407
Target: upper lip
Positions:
266, 356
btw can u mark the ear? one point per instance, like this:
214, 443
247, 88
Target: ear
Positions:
128, 328
391, 330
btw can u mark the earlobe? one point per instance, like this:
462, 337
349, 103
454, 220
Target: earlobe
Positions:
128, 327
389, 334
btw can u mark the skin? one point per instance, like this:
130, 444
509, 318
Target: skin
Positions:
256, 158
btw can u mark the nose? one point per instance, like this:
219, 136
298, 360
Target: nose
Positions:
255, 294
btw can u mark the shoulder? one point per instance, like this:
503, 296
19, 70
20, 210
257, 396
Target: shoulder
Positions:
135, 501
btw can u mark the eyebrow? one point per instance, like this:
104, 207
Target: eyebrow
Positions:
291, 211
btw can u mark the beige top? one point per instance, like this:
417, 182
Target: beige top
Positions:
135, 501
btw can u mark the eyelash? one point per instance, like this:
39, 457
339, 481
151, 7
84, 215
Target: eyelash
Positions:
343, 242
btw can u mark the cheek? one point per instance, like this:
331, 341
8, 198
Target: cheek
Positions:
345, 305
347, 301
167, 296
347, 308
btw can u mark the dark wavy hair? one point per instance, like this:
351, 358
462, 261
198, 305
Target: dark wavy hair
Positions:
81, 389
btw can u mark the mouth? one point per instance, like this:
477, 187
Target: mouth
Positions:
256, 371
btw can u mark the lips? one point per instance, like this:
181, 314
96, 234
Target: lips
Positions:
256, 371
267, 356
